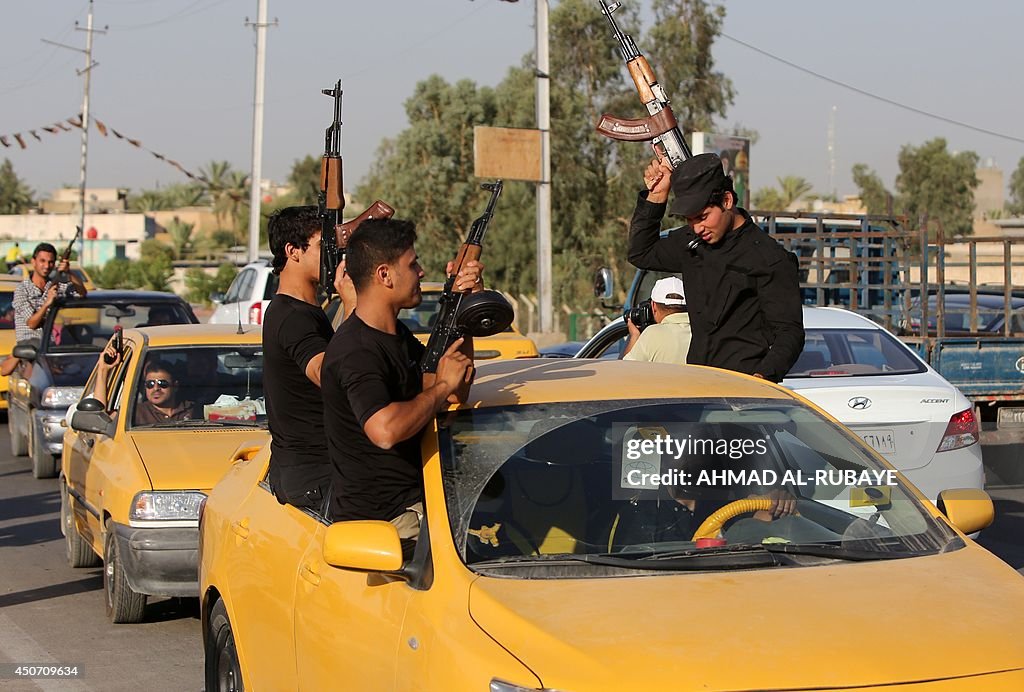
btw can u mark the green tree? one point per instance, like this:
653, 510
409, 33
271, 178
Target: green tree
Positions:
1015, 205
426, 171
767, 199
936, 187
15, 196
181, 236
305, 180
873, 195
199, 285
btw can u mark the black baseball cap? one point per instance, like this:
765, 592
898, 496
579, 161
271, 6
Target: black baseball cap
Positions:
694, 182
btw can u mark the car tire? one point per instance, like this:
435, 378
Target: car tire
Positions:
223, 669
79, 552
19, 442
123, 604
44, 464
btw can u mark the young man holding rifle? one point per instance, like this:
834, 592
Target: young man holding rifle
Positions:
34, 296
376, 399
742, 287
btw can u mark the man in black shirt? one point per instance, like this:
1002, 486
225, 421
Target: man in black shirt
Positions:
295, 336
742, 287
376, 400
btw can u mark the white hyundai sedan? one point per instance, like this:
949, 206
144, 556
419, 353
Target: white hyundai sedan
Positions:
880, 389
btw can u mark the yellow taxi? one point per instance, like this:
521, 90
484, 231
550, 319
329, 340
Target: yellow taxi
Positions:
23, 271
185, 402
7, 340
609, 525
420, 320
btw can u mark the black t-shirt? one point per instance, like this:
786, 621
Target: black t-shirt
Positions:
364, 371
293, 333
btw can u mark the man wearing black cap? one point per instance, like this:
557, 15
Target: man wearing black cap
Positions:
742, 287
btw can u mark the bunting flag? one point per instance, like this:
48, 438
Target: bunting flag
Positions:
103, 128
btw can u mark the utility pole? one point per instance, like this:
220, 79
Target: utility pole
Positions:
87, 71
255, 197
543, 69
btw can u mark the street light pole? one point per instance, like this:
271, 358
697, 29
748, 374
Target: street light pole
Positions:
543, 68
255, 176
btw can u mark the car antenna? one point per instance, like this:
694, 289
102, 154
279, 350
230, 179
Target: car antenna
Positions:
238, 309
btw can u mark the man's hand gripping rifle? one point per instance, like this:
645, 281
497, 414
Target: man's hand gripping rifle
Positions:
482, 313
334, 235
60, 276
660, 127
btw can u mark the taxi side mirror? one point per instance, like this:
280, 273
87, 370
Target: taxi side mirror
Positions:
369, 546
91, 416
968, 509
25, 351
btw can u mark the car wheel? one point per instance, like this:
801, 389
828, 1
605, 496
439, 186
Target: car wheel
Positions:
19, 443
123, 604
223, 670
79, 552
44, 464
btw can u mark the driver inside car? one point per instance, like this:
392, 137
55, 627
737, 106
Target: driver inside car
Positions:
162, 402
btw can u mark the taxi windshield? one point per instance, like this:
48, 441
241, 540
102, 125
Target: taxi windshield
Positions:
607, 482
200, 386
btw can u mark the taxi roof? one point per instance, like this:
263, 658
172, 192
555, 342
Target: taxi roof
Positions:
543, 380
196, 334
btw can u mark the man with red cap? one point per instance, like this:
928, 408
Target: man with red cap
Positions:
742, 287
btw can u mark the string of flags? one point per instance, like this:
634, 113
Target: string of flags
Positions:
76, 122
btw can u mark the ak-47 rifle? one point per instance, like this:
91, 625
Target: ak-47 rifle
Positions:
334, 235
63, 277
483, 313
659, 127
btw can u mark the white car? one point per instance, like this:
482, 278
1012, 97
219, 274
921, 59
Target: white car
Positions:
880, 389
247, 297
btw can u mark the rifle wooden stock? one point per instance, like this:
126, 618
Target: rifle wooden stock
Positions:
377, 210
643, 77
637, 129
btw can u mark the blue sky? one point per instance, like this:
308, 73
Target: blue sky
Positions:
178, 76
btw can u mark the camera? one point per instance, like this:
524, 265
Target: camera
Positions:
641, 315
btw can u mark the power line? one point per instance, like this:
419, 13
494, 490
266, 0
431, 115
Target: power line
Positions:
874, 96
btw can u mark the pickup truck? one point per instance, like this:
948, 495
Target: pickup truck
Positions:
876, 266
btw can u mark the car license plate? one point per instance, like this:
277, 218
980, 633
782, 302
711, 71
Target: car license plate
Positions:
883, 441
1010, 417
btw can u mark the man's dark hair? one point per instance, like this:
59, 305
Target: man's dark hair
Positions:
377, 242
717, 198
291, 225
44, 247
160, 365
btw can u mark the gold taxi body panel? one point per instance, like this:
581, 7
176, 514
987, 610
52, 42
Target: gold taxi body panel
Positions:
300, 623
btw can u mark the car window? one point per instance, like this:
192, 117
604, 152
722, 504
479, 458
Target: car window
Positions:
537, 481
86, 325
271, 286
217, 385
239, 287
852, 352
6, 310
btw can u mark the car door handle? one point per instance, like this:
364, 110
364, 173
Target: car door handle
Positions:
241, 528
89, 442
310, 574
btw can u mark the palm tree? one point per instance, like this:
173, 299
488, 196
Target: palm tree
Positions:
793, 188
305, 180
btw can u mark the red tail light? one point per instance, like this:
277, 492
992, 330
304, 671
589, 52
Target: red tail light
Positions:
256, 313
962, 431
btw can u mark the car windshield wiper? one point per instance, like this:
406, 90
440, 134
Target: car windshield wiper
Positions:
201, 423
698, 560
826, 550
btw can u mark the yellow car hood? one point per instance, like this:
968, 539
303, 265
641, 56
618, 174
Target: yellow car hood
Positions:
190, 459
841, 626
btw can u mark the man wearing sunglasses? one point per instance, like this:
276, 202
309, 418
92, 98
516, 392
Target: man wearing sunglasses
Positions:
161, 403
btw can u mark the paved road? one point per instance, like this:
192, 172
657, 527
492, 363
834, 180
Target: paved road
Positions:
52, 614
